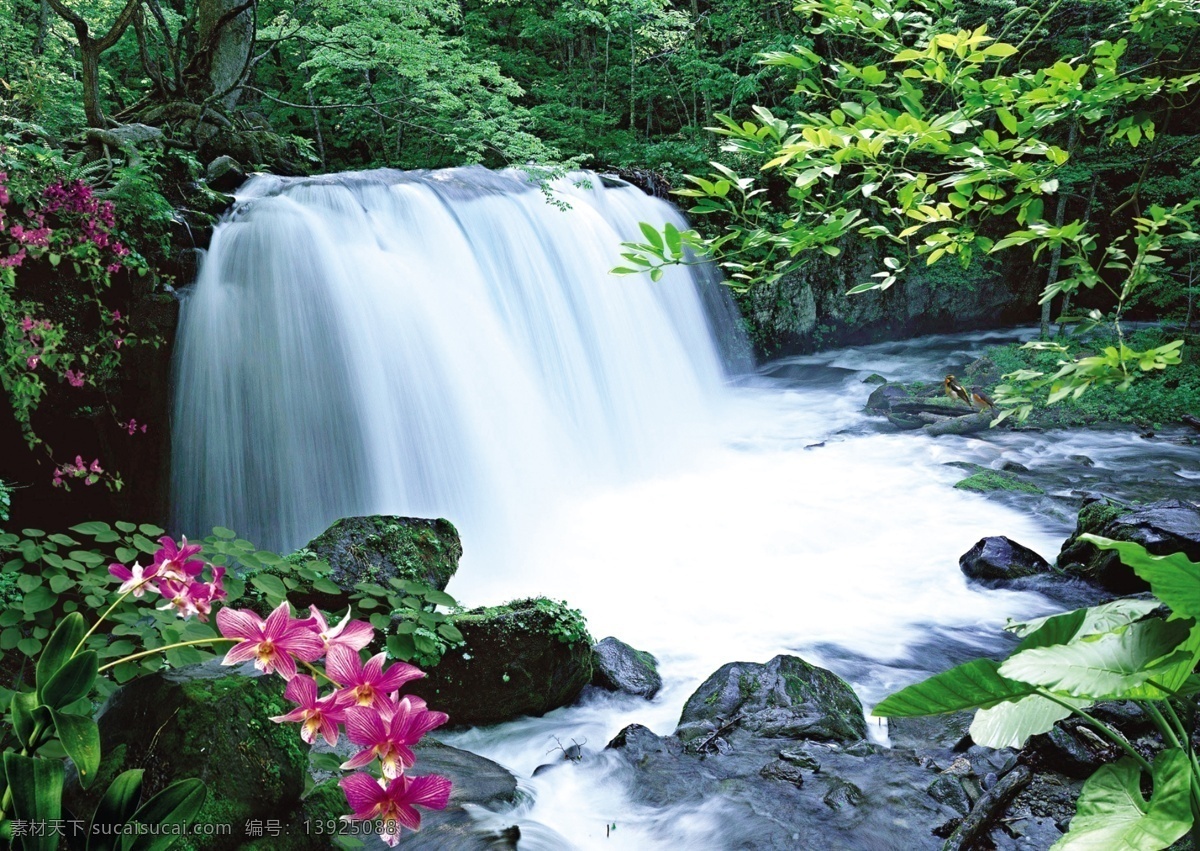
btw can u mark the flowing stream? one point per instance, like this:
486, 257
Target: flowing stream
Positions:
450, 344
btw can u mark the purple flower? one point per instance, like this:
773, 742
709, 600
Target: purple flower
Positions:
316, 715
352, 634
273, 644
135, 579
369, 683
396, 802
389, 736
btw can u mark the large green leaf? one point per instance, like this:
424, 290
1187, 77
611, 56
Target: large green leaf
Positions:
969, 686
115, 808
178, 804
1172, 679
58, 649
1173, 578
80, 738
1103, 668
1009, 724
1112, 814
26, 715
73, 681
36, 786
1059, 629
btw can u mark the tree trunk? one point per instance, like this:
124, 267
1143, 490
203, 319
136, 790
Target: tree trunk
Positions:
1056, 252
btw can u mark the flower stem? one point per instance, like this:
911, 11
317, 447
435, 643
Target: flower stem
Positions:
319, 672
163, 649
107, 612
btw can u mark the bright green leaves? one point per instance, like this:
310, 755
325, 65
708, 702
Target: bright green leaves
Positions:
71, 682
118, 804
1112, 812
1009, 725
667, 248
1174, 579
59, 649
968, 686
178, 804
1106, 667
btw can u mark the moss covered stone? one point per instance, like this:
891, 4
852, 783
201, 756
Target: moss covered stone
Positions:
785, 698
988, 481
523, 658
619, 667
379, 547
208, 723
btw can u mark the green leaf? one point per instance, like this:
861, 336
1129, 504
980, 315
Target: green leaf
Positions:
73, 681
1059, 629
450, 632
652, 235
1112, 813
26, 715
1009, 724
1174, 579
1104, 668
326, 587
178, 804
59, 648
125, 526
225, 534
92, 527
115, 808
151, 531
973, 685
439, 598
80, 738
36, 786
270, 585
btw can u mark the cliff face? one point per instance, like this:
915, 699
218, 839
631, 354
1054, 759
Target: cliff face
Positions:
809, 310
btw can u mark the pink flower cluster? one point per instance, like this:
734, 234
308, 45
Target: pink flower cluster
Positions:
365, 700
133, 426
90, 473
175, 575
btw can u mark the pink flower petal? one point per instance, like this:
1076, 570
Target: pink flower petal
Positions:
236, 623
363, 794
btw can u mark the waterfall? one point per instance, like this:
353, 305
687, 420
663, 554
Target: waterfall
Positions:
445, 343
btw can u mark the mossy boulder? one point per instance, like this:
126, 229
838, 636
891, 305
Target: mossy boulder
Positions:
212, 723
986, 480
785, 698
997, 559
378, 547
523, 658
1163, 527
619, 667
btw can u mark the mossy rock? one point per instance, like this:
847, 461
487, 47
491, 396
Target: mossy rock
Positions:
523, 658
206, 722
378, 547
619, 667
989, 481
1163, 527
785, 698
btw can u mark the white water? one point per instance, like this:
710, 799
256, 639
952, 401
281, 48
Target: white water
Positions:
451, 345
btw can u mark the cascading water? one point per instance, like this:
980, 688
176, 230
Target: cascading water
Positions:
451, 345
430, 344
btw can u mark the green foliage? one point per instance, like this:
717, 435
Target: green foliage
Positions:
1159, 397
1118, 651
987, 481
943, 141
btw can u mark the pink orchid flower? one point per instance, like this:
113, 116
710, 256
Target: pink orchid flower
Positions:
368, 683
389, 737
352, 634
273, 644
396, 802
176, 562
136, 579
316, 715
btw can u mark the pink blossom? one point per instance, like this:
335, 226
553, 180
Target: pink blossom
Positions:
396, 802
13, 259
274, 644
352, 634
112, 268
389, 736
117, 341
176, 562
136, 579
32, 362
368, 683
75, 379
26, 324
315, 715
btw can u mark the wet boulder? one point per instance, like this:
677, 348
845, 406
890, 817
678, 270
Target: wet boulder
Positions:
212, 723
1163, 527
785, 698
619, 667
377, 548
523, 658
998, 558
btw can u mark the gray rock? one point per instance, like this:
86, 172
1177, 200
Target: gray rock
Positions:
126, 134
785, 771
785, 698
1000, 558
619, 667
1163, 527
948, 790
224, 174
524, 658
